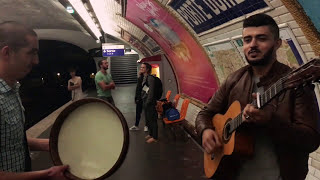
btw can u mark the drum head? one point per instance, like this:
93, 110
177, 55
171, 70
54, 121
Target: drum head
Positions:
92, 137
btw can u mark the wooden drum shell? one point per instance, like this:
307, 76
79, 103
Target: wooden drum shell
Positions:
56, 128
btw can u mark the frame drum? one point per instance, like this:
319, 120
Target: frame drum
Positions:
92, 137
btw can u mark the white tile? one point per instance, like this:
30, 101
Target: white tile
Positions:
297, 32
310, 55
276, 12
286, 17
302, 40
276, 3
311, 177
318, 156
313, 155
311, 170
315, 164
292, 24
317, 173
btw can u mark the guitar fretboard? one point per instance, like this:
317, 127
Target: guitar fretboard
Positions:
264, 98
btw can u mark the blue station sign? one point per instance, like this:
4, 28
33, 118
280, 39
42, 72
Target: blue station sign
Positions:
203, 15
112, 50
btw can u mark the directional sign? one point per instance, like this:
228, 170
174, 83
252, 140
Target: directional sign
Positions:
112, 50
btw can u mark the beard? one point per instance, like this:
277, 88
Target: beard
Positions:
105, 68
266, 59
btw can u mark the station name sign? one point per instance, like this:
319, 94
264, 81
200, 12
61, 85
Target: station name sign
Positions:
112, 50
203, 15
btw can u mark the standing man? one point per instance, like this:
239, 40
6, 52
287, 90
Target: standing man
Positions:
149, 102
285, 131
104, 82
139, 103
18, 54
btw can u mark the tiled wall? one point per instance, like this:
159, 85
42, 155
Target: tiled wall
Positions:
314, 166
281, 15
277, 10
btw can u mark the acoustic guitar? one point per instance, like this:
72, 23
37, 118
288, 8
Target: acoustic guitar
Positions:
226, 125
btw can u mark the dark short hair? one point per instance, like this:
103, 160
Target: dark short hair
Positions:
72, 69
100, 62
13, 34
148, 67
262, 20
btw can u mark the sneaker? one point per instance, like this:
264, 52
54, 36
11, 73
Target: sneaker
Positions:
134, 128
145, 129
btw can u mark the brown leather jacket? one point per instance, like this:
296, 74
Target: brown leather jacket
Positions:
293, 128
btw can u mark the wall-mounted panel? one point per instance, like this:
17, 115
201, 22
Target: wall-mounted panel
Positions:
227, 55
136, 43
225, 58
194, 70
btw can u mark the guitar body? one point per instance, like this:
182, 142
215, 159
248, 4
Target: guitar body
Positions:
219, 121
241, 144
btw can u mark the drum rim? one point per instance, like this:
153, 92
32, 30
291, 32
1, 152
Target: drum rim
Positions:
55, 130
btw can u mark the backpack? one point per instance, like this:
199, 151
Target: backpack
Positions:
158, 87
172, 114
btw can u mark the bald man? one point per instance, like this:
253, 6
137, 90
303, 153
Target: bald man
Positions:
18, 54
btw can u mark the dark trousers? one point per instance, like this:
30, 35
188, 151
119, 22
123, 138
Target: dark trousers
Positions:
138, 113
151, 120
108, 99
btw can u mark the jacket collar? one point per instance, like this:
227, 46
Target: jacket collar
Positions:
276, 71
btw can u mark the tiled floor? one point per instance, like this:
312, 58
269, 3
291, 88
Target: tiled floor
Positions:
168, 159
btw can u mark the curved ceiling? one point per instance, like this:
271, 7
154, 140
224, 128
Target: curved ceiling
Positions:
83, 40
49, 19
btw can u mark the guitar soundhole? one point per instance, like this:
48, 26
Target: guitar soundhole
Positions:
226, 132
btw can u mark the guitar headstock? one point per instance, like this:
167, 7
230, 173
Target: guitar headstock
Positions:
306, 74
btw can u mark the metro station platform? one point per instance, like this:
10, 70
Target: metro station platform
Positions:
168, 159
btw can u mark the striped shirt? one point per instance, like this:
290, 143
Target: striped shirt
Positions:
12, 132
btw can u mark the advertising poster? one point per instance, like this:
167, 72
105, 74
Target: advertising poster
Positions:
194, 70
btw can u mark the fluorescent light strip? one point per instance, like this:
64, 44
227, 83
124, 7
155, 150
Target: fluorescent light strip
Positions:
81, 10
106, 13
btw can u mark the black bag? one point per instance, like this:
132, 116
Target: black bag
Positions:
158, 87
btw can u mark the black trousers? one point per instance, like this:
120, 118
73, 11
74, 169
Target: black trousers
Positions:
151, 120
138, 113
108, 99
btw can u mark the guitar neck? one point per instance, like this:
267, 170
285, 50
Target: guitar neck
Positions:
262, 100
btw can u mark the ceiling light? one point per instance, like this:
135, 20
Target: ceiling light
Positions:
81, 10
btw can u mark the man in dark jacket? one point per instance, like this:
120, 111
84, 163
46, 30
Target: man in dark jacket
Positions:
149, 102
139, 103
285, 131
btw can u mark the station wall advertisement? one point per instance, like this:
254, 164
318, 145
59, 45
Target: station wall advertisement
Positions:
193, 68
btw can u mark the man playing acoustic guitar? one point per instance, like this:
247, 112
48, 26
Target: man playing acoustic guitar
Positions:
282, 133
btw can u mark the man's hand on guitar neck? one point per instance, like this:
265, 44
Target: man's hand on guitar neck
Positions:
253, 115
210, 141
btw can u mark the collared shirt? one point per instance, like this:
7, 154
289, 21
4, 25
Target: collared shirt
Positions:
12, 134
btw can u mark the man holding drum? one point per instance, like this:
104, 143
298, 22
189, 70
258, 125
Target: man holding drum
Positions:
18, 54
